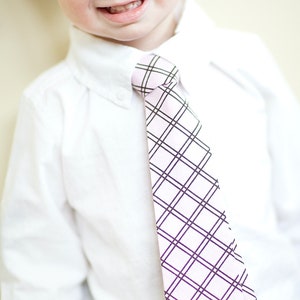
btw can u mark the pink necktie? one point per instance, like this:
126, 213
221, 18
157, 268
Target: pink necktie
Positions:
197, 249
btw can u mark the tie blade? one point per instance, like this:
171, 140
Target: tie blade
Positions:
197, 247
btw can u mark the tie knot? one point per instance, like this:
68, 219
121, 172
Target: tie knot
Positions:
153, 71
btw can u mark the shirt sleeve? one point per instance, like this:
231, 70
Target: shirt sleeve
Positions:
283, 111
41, 250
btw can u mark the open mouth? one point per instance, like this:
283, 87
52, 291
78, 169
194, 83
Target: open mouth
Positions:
124, 8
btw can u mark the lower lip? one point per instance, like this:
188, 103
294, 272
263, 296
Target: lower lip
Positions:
126, 17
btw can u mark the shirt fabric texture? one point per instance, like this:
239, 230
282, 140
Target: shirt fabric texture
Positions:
77, 208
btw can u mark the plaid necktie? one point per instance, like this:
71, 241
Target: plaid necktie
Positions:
198, 252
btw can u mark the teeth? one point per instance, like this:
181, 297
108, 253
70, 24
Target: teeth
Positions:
123, 8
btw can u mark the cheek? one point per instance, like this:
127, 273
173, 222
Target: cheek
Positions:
168, 3
167, 7
75, 10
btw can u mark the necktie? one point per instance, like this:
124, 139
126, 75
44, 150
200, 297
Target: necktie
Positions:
197, 249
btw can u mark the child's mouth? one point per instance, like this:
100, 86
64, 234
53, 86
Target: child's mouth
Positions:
122, 11
124, 8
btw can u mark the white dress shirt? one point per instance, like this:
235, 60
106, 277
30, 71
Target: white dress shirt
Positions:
78, 218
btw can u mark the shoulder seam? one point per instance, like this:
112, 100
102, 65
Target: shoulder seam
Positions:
47, 79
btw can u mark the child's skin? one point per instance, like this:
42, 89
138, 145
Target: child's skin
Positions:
143, 24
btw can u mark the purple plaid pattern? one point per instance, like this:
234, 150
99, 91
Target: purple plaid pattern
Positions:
198, 252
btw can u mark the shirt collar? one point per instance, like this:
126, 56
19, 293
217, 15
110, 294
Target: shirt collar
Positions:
111, 77
103, 66
193, 40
